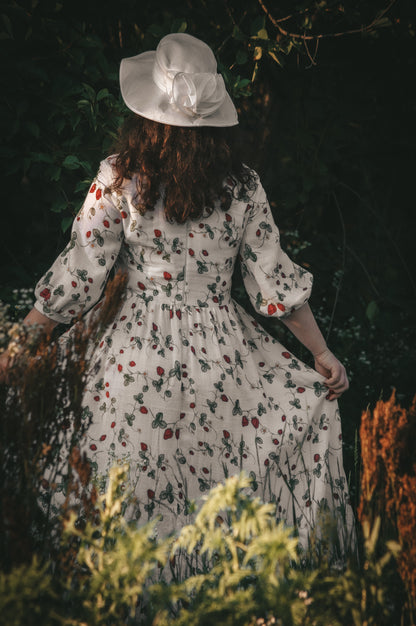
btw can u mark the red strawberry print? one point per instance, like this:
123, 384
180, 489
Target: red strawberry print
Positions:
276, 442
316, 457
120, 368
143, 446
226, 358
266, 462
124, 444
177, 433
258, 232
93, 447
150, 494
73, 283
45, 294
283, 418
191, 252
103, 437
167, 276
281, 306
179, 314
226, 434
154, 326
98, 194
123, 215
204, 252
301, 389
157, 232
255, 422
271, 309
141, 286
228, 217
106, 223
112, 424
93, 188
181, 416
244, 421
205, 470
88, 234
132, 363
192, 469
286, 355
160, 370
168, 434
143, 410
224, 398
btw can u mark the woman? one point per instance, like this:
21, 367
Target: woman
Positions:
184, 384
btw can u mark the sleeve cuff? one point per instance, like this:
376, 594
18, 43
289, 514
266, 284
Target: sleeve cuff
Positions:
56, 317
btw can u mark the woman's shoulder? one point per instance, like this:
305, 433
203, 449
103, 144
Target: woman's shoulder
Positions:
107, 169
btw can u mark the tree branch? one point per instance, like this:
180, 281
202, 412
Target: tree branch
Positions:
362, 29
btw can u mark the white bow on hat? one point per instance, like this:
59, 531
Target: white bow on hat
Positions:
177, 84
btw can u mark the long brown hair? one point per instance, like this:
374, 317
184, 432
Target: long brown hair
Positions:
189, 164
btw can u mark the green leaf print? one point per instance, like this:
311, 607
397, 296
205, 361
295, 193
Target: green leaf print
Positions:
254, 483
130, 417
260, 409
212, 406
265, 226
100, 385
128, 378
82, 274
237, 408
59, 291
202, 267
248, 253
159, 422
205, 366
203, 484
176, 371
295, 403
319, 389
167, 494
290, 384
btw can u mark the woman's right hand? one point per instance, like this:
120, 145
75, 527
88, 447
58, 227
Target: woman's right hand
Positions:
327, 364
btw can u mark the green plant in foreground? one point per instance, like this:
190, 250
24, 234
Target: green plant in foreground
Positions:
358, 597
235, 565
248, 560
114, 562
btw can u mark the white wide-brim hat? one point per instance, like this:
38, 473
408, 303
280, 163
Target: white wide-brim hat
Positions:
177, 84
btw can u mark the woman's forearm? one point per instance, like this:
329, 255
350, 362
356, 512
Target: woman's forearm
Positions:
303, 325
36, 317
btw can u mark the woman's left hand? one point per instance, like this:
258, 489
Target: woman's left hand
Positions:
328, 365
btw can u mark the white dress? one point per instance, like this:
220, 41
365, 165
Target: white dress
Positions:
186, 386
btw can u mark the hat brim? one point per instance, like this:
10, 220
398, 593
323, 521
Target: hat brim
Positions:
143, 96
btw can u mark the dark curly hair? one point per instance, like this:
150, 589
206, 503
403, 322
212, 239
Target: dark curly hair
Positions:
190, 165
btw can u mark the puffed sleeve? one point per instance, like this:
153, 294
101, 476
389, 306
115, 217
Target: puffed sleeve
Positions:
76, 279
275, 284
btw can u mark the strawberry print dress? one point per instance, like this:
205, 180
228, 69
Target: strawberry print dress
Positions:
185, 386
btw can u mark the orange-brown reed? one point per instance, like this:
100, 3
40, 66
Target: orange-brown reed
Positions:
388, 481
40, 427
